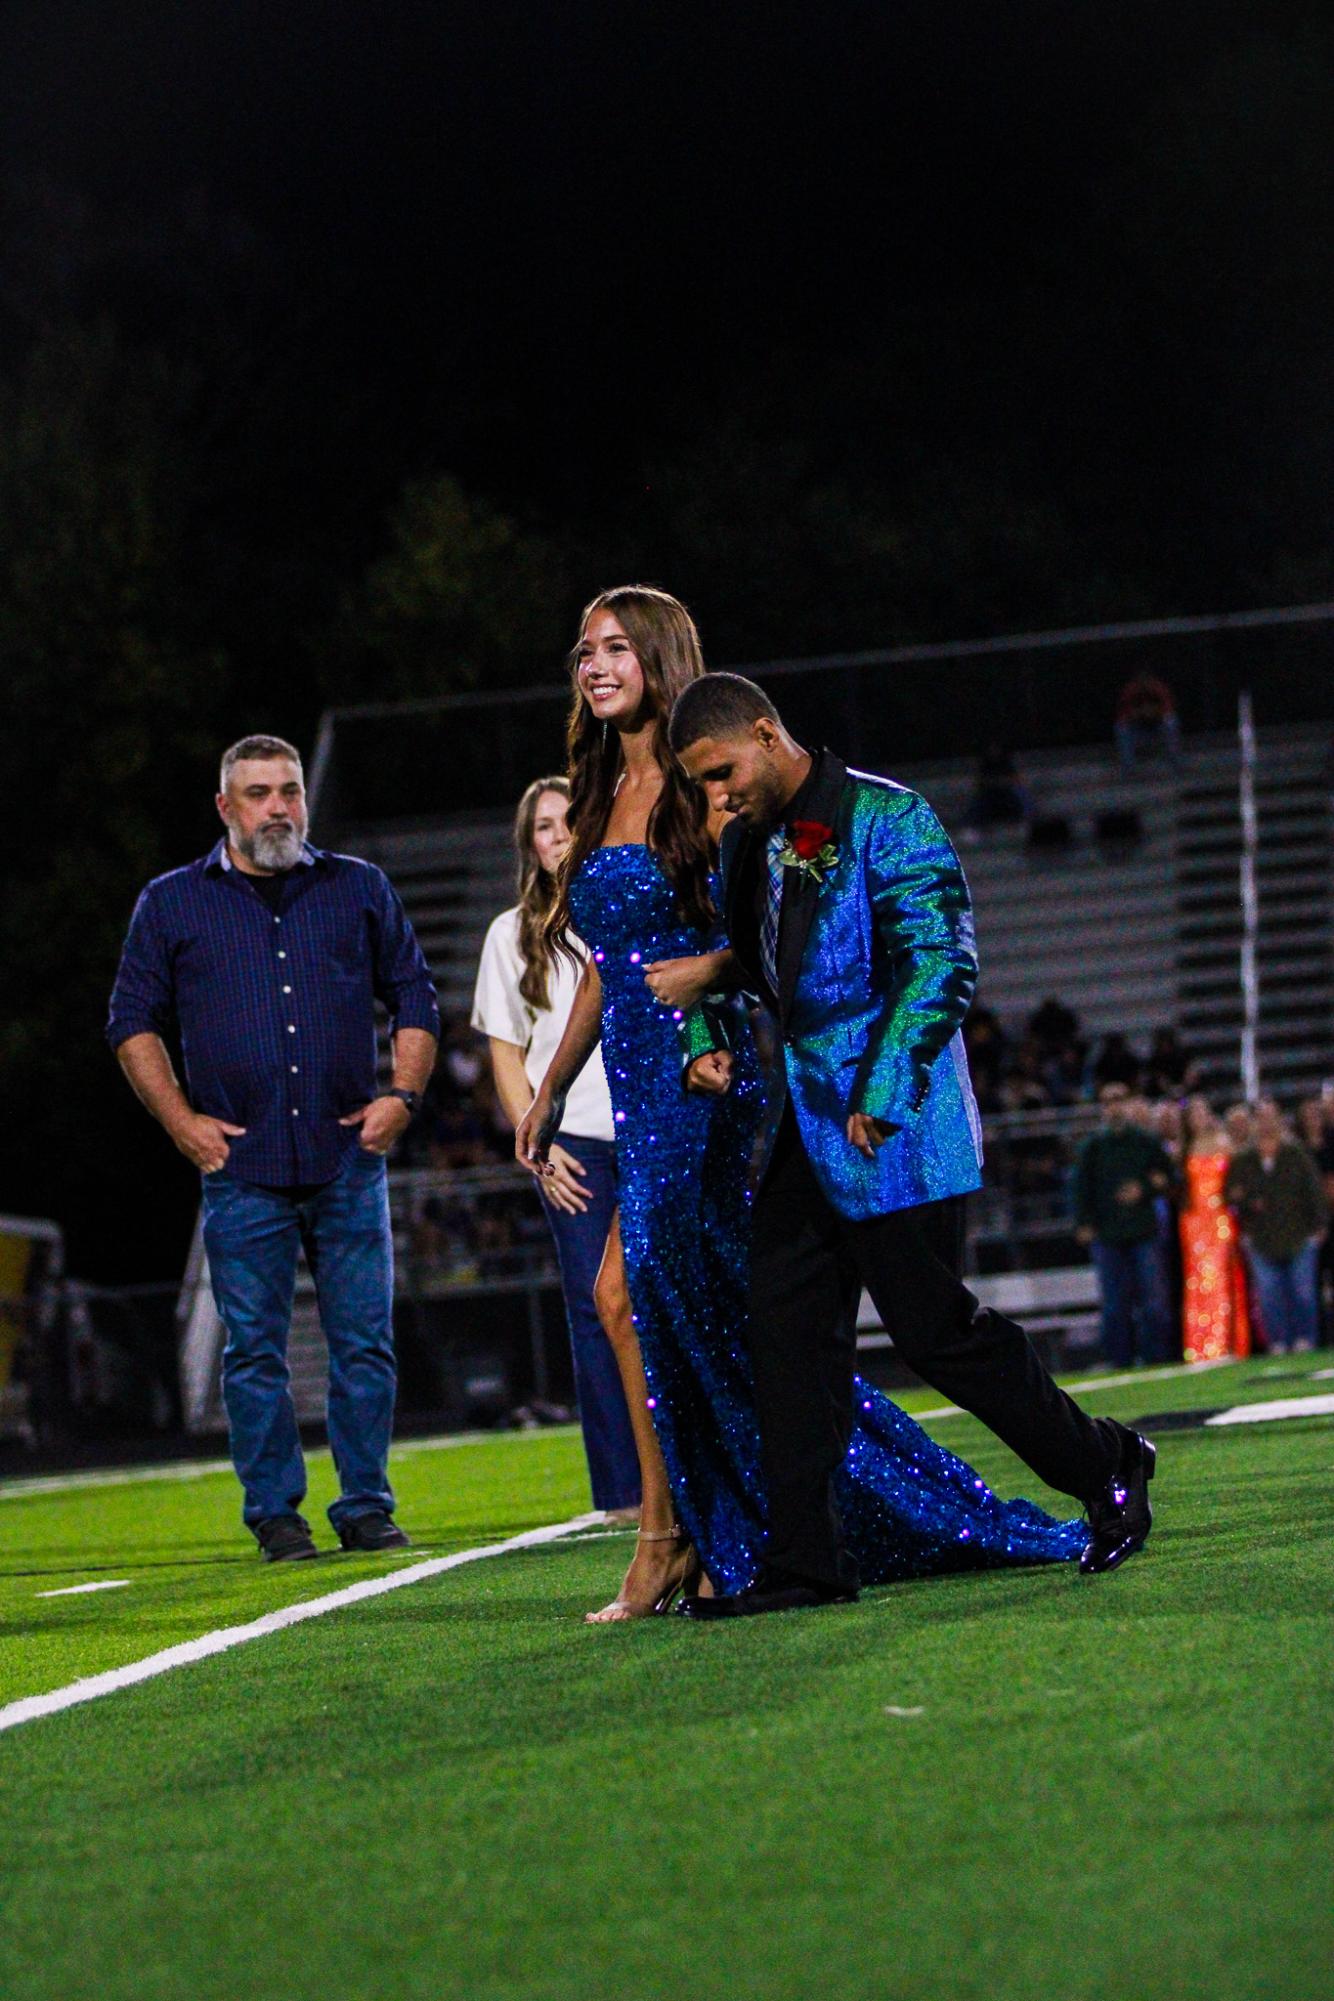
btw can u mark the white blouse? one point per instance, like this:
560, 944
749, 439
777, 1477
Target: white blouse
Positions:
499, 1009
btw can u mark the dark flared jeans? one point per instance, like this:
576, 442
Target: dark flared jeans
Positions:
613, 1464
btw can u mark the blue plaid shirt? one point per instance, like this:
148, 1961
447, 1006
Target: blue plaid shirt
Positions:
275, 1010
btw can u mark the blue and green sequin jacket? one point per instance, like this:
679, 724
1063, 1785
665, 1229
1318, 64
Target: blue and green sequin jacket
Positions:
876, 968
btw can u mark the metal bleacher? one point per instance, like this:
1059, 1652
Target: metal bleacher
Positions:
1137, 934
1132, 933
1092, 921
454, 876
1296, 899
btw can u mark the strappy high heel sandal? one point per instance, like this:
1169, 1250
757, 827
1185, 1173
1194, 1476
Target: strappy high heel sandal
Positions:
682, 1576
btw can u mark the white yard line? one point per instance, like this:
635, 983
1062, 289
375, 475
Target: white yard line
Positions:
126, 1476
602, 1535
29, 1707
1085, 1385
203, 1469
1261, 1413
78, 1590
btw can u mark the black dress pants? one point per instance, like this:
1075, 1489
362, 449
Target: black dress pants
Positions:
808, 1266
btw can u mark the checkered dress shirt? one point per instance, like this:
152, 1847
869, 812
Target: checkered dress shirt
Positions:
772, 909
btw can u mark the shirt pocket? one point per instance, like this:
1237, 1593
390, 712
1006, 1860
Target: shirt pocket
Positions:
346, 949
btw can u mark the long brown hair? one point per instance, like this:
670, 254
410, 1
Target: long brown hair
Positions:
537, 895
666, 644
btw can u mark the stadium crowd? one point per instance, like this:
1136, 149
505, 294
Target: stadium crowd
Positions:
1209, 1227
1183, 1268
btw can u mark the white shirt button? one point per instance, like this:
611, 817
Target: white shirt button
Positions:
295, 1113
291, 1028
295, 1069
282, 955
287, 990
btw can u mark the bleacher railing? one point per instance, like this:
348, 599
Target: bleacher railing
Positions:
477, 749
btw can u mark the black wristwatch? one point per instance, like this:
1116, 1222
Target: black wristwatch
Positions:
412, 1099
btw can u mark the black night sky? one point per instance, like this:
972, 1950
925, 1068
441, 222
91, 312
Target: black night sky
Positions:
550, 247
852, 323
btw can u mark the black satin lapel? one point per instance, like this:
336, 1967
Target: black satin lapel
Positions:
800, 893
739, 915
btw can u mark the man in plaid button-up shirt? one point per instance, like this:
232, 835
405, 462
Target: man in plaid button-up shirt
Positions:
267, 957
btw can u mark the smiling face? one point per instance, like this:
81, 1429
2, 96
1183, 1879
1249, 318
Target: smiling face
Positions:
745, 774
611, 679
551, 832
264, 808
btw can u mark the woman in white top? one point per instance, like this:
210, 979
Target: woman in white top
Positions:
521, 1005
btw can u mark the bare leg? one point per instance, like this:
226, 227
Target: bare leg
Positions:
662, 1558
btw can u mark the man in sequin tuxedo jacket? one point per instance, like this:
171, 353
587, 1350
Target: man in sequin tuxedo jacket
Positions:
849, 917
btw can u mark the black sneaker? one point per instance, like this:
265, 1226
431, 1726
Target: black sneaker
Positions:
372, 1532
285, 1539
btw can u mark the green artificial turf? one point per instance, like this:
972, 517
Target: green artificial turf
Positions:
1114, 1786
191, 1567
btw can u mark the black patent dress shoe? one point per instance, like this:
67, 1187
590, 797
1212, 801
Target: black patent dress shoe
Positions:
1120, 1519
285, 1539
372, 1532
770, 1595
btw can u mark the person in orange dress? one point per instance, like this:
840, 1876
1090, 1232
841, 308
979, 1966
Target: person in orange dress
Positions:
1215, 1321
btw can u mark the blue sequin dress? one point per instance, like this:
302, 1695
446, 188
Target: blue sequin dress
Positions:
909, 1507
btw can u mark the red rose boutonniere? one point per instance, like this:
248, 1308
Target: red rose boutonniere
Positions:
810, 848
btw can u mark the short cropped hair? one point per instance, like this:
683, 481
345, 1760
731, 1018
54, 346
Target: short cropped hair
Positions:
717, 705
255, 746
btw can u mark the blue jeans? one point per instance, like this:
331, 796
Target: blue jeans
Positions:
1135, 1316
1287, 1294
252, 1237
613, 1463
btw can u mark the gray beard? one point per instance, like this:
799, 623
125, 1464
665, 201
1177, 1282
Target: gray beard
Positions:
271, 847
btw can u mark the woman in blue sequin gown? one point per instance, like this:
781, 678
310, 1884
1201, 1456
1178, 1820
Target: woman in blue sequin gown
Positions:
909, 1507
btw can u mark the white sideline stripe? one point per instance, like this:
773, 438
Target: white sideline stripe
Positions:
1085, 1387
601, 1535
29, 1707
129, 1476
203, 1469
78, 1590
1260, 1413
